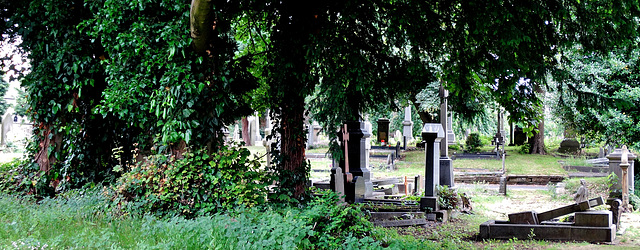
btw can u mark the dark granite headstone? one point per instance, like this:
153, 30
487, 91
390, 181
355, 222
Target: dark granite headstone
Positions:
432, 134
519, 136
383, 130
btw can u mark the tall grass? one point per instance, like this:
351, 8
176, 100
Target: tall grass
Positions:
84, 220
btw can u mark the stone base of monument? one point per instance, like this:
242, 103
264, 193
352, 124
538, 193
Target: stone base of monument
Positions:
549, 231
398, 219
591, 226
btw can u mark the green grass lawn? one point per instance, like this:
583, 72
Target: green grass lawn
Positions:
515, 164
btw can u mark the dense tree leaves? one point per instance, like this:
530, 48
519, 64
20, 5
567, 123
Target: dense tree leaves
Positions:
598, 96
110, 78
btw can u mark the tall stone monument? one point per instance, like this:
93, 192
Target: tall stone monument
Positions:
446, 164
357, 177
432, 135
615, 158
407, 127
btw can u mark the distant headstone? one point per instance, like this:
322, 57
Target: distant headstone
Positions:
407, 125
337, 182
236, 133
383, 130
601, 153
519, 136
397, 136
569, 146
7, 123
502, 187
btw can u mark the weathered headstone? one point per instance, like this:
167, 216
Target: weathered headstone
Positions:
367, 141
502, 186
432, 134
7, 123
446, 164
383, 130
615, 158
569, 146
451, 137
407, 126
236, 133
397, 136
337, 182
257, 140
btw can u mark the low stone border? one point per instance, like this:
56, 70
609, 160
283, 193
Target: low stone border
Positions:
511, 179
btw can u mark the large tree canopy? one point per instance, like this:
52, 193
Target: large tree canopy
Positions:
123, 74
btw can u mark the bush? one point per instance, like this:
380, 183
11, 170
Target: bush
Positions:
197, 184
473, 143
12, 179
448, 198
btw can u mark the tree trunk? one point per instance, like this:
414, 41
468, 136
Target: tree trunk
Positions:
245, 131
202, 23
537, 147
293, 148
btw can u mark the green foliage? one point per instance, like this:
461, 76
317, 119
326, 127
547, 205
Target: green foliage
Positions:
597, 95
197, 184
10, 176
473, 143
84, 219
524, 148
448, 198
3, 90
119, 75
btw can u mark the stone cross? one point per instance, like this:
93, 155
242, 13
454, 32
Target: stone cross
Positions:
345, 139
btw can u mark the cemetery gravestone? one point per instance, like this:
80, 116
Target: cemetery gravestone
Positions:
407, 126
355, 147
446, 164
7, 122
451, 137
569, 146
615, 158
383, 130
519, 136
432, 134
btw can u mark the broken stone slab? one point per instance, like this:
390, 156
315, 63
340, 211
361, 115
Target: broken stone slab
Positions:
594, 219
400, 223
531, 217
378, 216
549, 231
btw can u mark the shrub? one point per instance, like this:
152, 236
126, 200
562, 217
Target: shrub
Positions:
473, 143
197, 184
12, 178
447, 198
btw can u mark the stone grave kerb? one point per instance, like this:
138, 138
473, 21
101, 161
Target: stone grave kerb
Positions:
615, 159
432, 134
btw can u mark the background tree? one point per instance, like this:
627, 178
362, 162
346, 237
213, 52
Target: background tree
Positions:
598, 95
